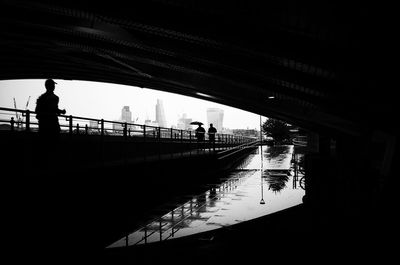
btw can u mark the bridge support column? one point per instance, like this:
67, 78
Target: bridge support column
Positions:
343, 186
319, 170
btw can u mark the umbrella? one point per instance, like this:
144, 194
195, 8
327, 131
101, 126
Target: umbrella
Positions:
196, 123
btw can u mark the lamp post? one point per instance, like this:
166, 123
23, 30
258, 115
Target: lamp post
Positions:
261, 136
262, 191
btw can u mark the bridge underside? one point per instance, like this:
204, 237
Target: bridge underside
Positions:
324, 63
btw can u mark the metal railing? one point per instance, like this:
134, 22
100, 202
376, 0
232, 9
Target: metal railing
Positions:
166, 227
25, 120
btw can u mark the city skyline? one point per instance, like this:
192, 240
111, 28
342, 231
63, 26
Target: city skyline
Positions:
104, 100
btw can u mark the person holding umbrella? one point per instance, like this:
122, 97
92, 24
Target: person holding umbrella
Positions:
200, 131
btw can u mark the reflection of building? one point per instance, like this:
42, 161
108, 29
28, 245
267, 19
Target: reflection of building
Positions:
160, 115
184, 123
216, 117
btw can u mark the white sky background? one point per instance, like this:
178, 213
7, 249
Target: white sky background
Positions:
104, 100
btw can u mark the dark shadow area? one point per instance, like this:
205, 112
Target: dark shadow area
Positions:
57, 209
325, 66
53, 212
291, 235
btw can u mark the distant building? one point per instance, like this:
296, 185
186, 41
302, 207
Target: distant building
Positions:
94, 124
184, 123
126, 114
246, 132
151, 123
216, 117
160, 115
226, 131
152, 127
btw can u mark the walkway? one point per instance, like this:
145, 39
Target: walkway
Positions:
235, 199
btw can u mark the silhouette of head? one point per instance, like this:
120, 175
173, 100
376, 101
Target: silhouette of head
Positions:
50, 84
211, 125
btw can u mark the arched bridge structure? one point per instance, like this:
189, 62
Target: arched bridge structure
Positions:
322, 62
321, 65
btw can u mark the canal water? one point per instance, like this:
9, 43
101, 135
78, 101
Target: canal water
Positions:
265, 182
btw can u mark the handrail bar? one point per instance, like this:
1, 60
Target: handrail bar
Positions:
179, 132
239, 146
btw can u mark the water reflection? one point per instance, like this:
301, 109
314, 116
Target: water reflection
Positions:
276, 180
236, 198
277, 151
278, 157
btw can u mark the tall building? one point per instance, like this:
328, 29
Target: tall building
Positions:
160, 115
216, 117
126, 114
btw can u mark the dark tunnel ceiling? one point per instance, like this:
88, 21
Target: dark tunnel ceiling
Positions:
321, 62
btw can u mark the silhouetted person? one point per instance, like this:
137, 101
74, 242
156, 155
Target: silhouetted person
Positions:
200, 133
49, 129
47, 111
211, 133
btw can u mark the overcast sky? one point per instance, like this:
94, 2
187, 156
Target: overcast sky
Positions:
102, 100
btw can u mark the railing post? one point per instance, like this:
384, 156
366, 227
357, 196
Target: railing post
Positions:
12, 122
77, 128
125, 129
144, 140
225, 141
102, 127
190, 143
70, 124
145, 234
172, 218
172, 131
28, 120
102, 142
125, 148
86, 129
159, 146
